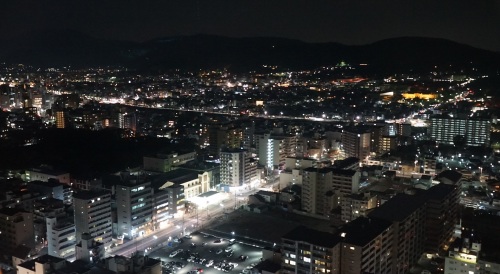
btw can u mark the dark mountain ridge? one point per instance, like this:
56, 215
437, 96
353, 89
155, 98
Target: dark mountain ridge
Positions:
70, 48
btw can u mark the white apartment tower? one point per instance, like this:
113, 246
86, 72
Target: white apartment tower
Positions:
273, 150
237, 167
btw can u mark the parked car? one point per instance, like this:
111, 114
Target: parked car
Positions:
219, 251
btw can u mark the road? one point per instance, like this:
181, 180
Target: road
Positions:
179, 226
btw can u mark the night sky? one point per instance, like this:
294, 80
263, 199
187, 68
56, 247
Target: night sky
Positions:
473, 22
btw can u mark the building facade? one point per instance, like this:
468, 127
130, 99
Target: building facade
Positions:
93, 215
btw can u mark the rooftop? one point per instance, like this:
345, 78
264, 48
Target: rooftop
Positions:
452, 175
86, 195
315, 237
362, 230
398, 208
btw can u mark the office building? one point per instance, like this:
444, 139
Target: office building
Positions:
134, 205
463, 256
93, 215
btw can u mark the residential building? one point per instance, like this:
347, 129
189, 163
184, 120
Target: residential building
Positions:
319, 184
356, 205
61, 238
367, 246
407, 214
138, 263
237, 168
16, 228
93, 215
273, 149
445, 128
307, 250
356, 142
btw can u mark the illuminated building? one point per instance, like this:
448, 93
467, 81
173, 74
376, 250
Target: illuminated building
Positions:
463, 257
61, 238
418, 95
306, 250
356, 142
44, 174
444, 129
273, 149
60, 119
93, 215
134, 205
237, 168
356, 205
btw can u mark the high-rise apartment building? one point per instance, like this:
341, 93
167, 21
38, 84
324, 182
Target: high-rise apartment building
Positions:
444, 129
366, 246
320, 184
273, 149
93, 215
224, 137
407, 213
356, 142
362, 246
237, 168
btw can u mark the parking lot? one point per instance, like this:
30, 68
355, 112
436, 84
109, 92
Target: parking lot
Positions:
196, 253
